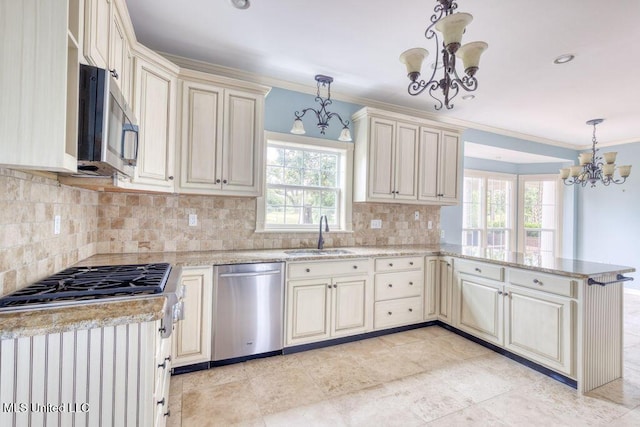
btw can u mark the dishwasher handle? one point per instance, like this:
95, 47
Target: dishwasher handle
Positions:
251, 274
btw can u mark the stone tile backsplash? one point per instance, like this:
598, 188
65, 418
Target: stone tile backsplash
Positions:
113, 222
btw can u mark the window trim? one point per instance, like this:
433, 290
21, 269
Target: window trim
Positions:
346, 194
559, 210
485, 176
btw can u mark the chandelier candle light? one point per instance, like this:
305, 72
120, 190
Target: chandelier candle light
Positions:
452, 26
594, 168
322, 114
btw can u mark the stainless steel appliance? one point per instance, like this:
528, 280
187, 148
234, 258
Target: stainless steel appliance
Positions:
76, 285
107, 129
248, 303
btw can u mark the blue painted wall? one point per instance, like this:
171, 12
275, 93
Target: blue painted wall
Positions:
281, 104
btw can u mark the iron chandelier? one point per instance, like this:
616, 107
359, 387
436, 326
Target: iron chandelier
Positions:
594, 168
452, 26
322, 114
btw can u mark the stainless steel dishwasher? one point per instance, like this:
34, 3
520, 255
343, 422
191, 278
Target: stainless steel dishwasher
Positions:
248, 304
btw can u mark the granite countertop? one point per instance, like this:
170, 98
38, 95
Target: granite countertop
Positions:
14, 324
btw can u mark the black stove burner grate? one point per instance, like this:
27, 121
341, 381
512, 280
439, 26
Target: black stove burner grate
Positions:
85, 283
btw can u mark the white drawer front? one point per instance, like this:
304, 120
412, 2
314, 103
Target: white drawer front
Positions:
399, 285
544, 282
399, 263
488, 271
397, 312
299, 270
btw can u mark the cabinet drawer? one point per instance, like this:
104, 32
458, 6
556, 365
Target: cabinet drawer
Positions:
397, 312
398, 285
327, 268
544, 282
488, 271
399, 263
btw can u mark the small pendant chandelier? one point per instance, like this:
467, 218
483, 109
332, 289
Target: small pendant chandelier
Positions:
322, 114
452, 26
594, 168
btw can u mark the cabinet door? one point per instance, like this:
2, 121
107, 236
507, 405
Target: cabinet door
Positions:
97, 32
428, 179
406, 162
480, 308
242, 143
120, 59
349, 301
381, 159
448, 168
308, 310
444, 290
201, 136
192, 335
431, 283
539, 327
155, 108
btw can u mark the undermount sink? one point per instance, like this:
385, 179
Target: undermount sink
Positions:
302, 252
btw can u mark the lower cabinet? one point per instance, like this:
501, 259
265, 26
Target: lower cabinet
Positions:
535, 324
399, 288
325, 307
191, 338
438, 288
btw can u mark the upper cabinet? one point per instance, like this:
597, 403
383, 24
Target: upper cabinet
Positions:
221, 147
403, 159
107, 42
39, 53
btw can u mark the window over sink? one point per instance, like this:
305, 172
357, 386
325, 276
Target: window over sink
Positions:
305, 178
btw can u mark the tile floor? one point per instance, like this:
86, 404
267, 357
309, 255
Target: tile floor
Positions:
426, 376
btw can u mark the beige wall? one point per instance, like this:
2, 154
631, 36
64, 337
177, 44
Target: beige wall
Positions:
28, 248
95, 222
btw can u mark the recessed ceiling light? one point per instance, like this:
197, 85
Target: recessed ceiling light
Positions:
468, 97
240, 4
563, 59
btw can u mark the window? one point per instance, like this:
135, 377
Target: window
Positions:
540, 204
305, 178
488, 211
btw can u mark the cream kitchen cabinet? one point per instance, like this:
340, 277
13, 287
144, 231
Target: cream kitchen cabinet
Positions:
532, 315
439, 276
155, 108
39, 52
399, 288
404, 159
439, 160
191, 338
108, 39
327, 305
221, 135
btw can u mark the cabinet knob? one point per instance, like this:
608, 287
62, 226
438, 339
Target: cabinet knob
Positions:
161, 402
499, 292
410, 283
114, 73
389, 313
308, 270
171, 178
355, 267
537, 282
390, 285
224, 181
410, 262
478, 270
217, 181
328, 286
410, 310
335, 286
441, 195
390, 264
168, 413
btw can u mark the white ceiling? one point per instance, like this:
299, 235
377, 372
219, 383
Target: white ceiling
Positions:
358, 43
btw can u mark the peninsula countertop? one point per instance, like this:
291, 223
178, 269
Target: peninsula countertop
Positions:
14, 324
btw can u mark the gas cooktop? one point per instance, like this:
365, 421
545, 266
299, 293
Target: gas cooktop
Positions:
90, 283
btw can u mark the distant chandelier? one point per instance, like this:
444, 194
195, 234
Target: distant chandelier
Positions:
594, 168
322, 114
452, 26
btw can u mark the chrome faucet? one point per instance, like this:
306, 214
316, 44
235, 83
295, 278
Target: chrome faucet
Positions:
326, 229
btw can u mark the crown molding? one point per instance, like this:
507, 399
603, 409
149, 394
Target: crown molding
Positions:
237, 74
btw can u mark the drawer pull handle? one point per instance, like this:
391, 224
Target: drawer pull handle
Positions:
390, 264
537, 282
168, 413
390, 285
410, 283
410, 310
355, 267
389, 313
308, 270
161, 402
410, 262
478, 270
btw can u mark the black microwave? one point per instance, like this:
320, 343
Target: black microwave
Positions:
107, 129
